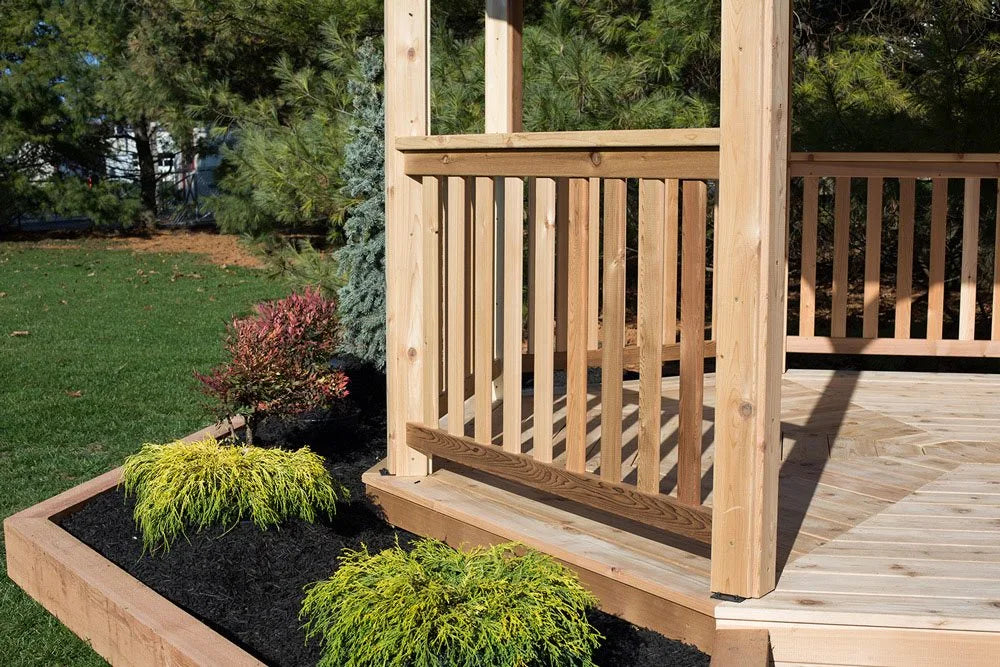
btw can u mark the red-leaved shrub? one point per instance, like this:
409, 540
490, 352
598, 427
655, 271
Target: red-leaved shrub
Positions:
280, 360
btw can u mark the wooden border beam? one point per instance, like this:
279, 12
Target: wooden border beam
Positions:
753, 192
657, 510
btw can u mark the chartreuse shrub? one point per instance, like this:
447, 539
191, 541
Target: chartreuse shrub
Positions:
193, 485
438, 607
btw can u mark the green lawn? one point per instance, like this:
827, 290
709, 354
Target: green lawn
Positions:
106, 365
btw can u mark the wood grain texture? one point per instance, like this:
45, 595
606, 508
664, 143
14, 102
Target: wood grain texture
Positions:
612, 367
699, 137
650, 326
513, 314
671, 234
456, 305
655, 510
544, 223
594, 266
873, 258
736, 647
433, 220
407, 103
692, 366
970, 260
482, 299
604, 163
935, 290
904, 257
562, 262
807, 278
841, 250
576, 352
753, 210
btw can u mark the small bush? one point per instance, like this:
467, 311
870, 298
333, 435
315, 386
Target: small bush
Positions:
280, 360
436, 607
198, 484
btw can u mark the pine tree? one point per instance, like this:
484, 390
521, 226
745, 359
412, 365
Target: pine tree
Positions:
362, 299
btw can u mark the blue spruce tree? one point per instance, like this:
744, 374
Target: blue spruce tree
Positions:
362, 299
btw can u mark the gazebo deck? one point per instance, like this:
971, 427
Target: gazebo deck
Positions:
889, 520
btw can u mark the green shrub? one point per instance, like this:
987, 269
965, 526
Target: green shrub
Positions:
197, 484
437, 607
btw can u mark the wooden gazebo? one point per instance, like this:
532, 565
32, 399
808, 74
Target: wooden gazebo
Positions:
839, 518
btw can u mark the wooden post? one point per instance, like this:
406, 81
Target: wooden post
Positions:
504, 112
753, 188
407, 85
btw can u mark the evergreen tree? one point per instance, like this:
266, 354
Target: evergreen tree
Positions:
362, 299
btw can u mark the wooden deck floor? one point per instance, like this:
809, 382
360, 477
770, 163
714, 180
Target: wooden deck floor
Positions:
889, 518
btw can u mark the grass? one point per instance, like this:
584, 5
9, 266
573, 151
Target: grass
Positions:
113, 338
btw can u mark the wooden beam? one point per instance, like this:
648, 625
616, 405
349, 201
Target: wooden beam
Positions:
753, 202
576, 325
741, 648
659, 511
407, 100
915, 347
700, 137
652, 198
692, 368
565, 163
615, 204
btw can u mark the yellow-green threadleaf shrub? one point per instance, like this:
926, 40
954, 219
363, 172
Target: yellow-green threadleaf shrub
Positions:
193, 485
438, 607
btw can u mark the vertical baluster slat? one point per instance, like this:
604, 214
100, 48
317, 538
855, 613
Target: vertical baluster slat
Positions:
692, 367
576, 333
715, 272
841, 248
970, 261
483, 300
671, 215
995, 329
470, 274
544, 223
594, 267
562, 261
904, 257
432, 299
615, 202
873, 258
935, 290
456, 304
650, 323
512, 312
807, 278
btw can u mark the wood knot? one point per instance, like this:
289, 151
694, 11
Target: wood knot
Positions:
411, 353
806, 602
746, 410
596, 159
445, 159
411, 53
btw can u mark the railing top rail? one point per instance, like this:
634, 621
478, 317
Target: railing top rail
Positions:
587, 140
895, 157
896, 165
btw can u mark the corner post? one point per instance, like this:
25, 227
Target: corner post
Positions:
753, 189
407, 101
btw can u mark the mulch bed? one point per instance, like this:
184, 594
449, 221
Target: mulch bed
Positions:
248, 584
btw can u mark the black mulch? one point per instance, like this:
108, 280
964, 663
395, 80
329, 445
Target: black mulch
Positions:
248, 584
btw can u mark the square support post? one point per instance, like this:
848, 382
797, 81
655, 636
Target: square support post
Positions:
407, 101
753, 191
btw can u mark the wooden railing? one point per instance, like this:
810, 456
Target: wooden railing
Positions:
487, 320
924, 210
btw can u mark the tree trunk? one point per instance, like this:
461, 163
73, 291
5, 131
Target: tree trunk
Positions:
147, 173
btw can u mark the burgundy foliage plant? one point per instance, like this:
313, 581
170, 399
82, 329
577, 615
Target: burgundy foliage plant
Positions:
280, 360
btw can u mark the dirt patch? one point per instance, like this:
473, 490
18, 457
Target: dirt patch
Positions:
220, 249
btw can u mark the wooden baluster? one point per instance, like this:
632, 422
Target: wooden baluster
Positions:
544, 223
456, 305
692, 380
995, 330
432, 299
470, 275
594, 267
841, 248
615, 203
576, 329
873, 258
935, 290
562, 261
483, 300
904, 257
715, 272
670, 233
652, 198
970, 261
807, 278
512, 313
